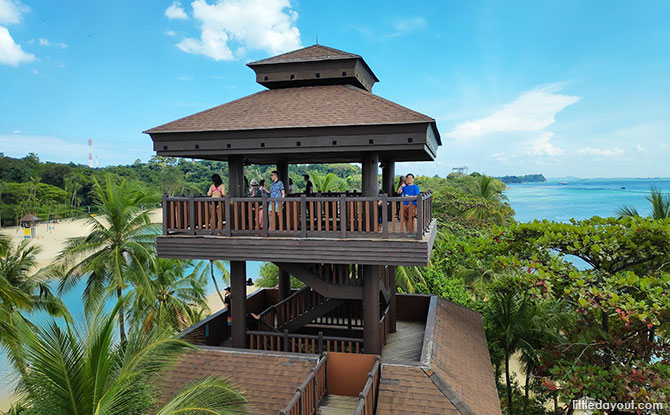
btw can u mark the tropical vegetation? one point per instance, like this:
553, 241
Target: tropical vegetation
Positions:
571, 310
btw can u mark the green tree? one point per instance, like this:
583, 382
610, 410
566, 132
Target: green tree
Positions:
89, 373
21, 289
121, 240
172, 297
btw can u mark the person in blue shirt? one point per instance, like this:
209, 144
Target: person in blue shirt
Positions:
407, 189
276, 191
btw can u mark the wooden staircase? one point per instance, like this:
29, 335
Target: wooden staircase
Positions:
337, 405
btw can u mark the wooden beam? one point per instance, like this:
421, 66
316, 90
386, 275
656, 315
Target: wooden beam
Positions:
284, 284
371, 339
236, 176
392, 303
238, 303
318, 311
388, 177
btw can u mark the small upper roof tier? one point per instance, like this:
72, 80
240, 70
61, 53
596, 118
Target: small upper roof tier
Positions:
324, 118
313, 65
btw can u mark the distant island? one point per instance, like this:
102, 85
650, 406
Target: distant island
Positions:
528, 178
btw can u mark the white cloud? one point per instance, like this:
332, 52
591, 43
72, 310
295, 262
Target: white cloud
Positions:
46, 42
11, 11
601, 152
185, 78
11, 53
532, 111
543, 147
16, 132
410, 24
170, 33
175, 11
230, 27
641, 149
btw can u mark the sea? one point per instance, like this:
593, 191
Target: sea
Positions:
558, 199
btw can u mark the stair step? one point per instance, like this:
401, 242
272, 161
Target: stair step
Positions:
337, 405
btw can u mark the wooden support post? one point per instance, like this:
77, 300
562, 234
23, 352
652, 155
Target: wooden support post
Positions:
286, 340
282, 168
371, 338
238, 303
191, 214
392, 308
166, 215
284, 284
370, 175
388, 177
236, 177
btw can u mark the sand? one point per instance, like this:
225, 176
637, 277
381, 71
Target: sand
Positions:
51, 238
214, 302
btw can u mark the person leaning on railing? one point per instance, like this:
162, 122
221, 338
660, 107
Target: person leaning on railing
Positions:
409, 189
216, 190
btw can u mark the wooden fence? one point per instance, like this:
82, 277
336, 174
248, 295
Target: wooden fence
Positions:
309, 394
367, 399
344, 216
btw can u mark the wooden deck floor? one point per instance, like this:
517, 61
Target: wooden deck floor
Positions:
405, 344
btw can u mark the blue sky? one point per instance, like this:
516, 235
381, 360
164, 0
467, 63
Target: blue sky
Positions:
556, 87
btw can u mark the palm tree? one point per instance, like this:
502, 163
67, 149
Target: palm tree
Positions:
172, 297
660, 206
21, 289
517, 323
485, 189
88, 372
325, 183
122, 237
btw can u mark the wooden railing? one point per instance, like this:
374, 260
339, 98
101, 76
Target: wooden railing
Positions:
367, 399
290, 308
384, 326
349, 314
309, 394
343, 216
302, 343
346, 274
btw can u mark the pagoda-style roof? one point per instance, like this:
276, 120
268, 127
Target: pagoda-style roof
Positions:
318, 108
315, 106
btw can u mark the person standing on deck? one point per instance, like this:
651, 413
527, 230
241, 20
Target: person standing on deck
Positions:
309, 186
408, 189
217, 189
276, 191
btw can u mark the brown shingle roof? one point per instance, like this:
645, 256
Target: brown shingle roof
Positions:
407, 389
268, 381
310, 106
461, 358
310, 53
457, 379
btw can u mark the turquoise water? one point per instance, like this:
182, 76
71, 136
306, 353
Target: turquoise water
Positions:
580, 198
73, 300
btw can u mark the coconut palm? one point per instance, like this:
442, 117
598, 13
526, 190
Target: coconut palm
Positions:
121, 238
22, 288
324, 183
517, 323
660, 206
485, 189
88, 372
172, 297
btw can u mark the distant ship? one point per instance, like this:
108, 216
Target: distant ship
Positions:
563, 183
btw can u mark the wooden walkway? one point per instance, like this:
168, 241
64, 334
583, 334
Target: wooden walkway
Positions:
405, 344
337, 405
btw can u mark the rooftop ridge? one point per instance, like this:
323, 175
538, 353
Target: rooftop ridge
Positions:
302, 55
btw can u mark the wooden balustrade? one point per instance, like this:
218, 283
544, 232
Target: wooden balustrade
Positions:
302, 343
384, 326
290, 308
337, 216
367, 399
349, 314
309, 394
